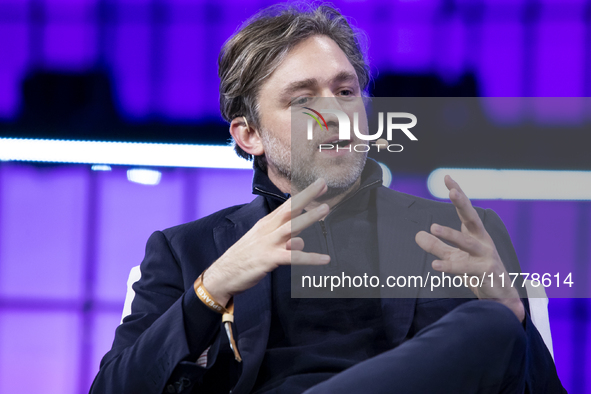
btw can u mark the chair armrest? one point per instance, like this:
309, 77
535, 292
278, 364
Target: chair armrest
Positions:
134, 275
538, 305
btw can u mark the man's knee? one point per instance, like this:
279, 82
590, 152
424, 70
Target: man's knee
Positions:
492, 322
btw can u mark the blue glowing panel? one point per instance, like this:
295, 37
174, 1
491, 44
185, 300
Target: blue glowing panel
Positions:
69, 35
220, 25
501, 60
131, 69
129, 213
450, 49
585, 355
43, 231
552, 6
379, 47
218, 189
182, 76
411, 47
68, 8
14, 55
553, 231
78, 54
361, 16
412, 35
559, 59
103, 333
562, 328
505, 110
559, 111
417, 186
43, 345
70, 38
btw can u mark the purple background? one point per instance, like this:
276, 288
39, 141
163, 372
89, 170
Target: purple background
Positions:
162, 55
68, 235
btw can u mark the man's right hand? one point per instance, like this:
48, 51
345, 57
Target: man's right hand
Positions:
267, 245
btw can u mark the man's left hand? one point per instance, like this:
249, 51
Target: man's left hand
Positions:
475, 253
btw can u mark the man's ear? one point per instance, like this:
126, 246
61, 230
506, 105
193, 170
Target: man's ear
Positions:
247, 137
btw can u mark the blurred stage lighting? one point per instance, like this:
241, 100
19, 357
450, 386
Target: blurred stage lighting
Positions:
100, 167
144, 176
490, 184
121, 153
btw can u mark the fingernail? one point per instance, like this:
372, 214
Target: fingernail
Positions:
325, 258
436, 265
436, 228
323, 208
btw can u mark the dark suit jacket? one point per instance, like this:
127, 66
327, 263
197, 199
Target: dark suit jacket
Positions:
156, 347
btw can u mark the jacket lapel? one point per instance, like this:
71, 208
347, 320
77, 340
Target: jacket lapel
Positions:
252, 308
399, 255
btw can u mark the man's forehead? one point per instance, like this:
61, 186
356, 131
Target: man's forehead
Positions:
316, 60
315, 81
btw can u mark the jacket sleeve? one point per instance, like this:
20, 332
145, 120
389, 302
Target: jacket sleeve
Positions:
153, 351
541, 376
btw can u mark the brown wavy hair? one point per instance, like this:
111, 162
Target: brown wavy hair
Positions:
259, 46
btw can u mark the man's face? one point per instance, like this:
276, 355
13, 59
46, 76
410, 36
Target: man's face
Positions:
315, 74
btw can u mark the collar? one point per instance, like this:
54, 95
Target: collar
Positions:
263, 186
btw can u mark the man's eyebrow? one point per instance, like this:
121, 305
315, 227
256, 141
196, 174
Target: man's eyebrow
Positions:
298, 85
309, 83
344, 76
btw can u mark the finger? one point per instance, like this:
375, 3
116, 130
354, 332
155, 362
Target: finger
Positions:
295, 244
306, 196
466, 211
297, 257
295, 204
431, 244
465, 242
456, 267
303, 221
280, 215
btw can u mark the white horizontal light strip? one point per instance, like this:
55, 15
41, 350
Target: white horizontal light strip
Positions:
488, 184
121, 153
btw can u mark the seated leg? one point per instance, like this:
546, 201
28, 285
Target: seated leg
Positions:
479, 347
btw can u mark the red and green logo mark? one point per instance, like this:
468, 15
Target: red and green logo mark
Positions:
315, 118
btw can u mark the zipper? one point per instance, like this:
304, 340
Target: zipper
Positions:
322, 223
351, 196
323, 228
270, 194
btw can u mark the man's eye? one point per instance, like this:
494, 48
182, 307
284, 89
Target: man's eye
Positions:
346, 92
300, 101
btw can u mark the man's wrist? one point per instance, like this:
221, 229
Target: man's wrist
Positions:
210, 283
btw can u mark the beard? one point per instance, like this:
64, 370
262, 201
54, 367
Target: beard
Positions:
297, 165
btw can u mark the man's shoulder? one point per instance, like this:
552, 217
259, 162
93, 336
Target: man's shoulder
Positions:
435, 208
223, 217
210, 221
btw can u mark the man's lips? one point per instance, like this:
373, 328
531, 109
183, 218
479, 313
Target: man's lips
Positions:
334, 140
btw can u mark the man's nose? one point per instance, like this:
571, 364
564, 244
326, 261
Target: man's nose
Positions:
330, 101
